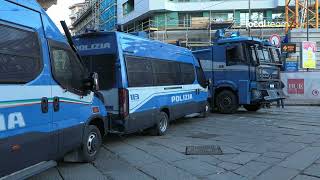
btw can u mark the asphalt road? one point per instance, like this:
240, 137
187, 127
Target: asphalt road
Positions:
272, 144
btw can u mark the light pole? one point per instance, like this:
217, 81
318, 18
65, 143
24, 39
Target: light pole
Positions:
249, 1
308, 20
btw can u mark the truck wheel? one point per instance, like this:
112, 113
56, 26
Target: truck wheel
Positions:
91, 144
162, 125
205, 111
252, 107
227, 102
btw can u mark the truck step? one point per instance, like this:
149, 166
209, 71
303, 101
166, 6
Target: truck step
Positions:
30, 171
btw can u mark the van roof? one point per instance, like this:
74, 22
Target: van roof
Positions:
31, 4
126, 35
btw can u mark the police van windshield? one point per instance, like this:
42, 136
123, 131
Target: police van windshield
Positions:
104, 65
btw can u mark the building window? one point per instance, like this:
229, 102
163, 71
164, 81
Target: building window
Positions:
128, 7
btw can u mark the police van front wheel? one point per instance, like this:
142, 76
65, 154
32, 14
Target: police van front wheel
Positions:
227, 102
91, 143
162, 125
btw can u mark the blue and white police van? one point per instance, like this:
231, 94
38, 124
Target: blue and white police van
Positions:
145, 83
47, 104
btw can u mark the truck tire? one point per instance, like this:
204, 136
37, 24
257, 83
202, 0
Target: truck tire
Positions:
91, 144
227, 102
205, 111
252, 107
162, 125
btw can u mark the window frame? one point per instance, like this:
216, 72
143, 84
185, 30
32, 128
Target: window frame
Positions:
40, 58
60, 45
244, 58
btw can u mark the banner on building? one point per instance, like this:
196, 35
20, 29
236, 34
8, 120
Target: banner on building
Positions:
302, 85
309, 50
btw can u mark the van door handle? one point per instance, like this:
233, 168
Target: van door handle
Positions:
44, 105
56, 104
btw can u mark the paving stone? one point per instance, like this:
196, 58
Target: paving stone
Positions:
111, 166
206, 158
229, 166
80, 171
278, 172
226, 176
197, 167
313, 170
139, 158
302, 159
290, 147
252, 169
304, 177
164, 171
279, 155
243, 158
51, 174
268, 160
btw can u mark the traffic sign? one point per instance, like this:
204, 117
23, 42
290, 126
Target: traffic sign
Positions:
288, 48
275, 40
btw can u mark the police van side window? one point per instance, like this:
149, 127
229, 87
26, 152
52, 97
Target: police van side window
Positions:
139, 72
20, 55
166, 73
67, 69
143, 72
187, 73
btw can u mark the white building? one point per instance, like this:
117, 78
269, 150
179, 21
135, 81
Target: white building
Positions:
176, 12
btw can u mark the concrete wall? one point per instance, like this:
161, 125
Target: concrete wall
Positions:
47, 3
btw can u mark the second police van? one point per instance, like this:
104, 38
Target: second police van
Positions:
144, 83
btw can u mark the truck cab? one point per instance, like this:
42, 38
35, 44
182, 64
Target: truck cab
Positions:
48, 107
245, 71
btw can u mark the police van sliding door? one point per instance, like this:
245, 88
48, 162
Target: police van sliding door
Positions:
25, 118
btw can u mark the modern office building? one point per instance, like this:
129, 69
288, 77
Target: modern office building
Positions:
182, 13
184, 20
95, 14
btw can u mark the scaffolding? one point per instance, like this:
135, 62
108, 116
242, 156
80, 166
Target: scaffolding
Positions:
102, 16
302, 14
197, 31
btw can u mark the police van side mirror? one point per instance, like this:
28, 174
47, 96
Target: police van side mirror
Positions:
91, 83
209, 82
95, 78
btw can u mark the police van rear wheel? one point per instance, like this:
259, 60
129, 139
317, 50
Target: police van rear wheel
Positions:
252, 107
227, 102
162, 125
91, 144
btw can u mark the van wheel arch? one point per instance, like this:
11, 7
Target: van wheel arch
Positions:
99, 123
167, 111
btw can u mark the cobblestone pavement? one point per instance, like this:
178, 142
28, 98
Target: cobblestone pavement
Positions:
272, 144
